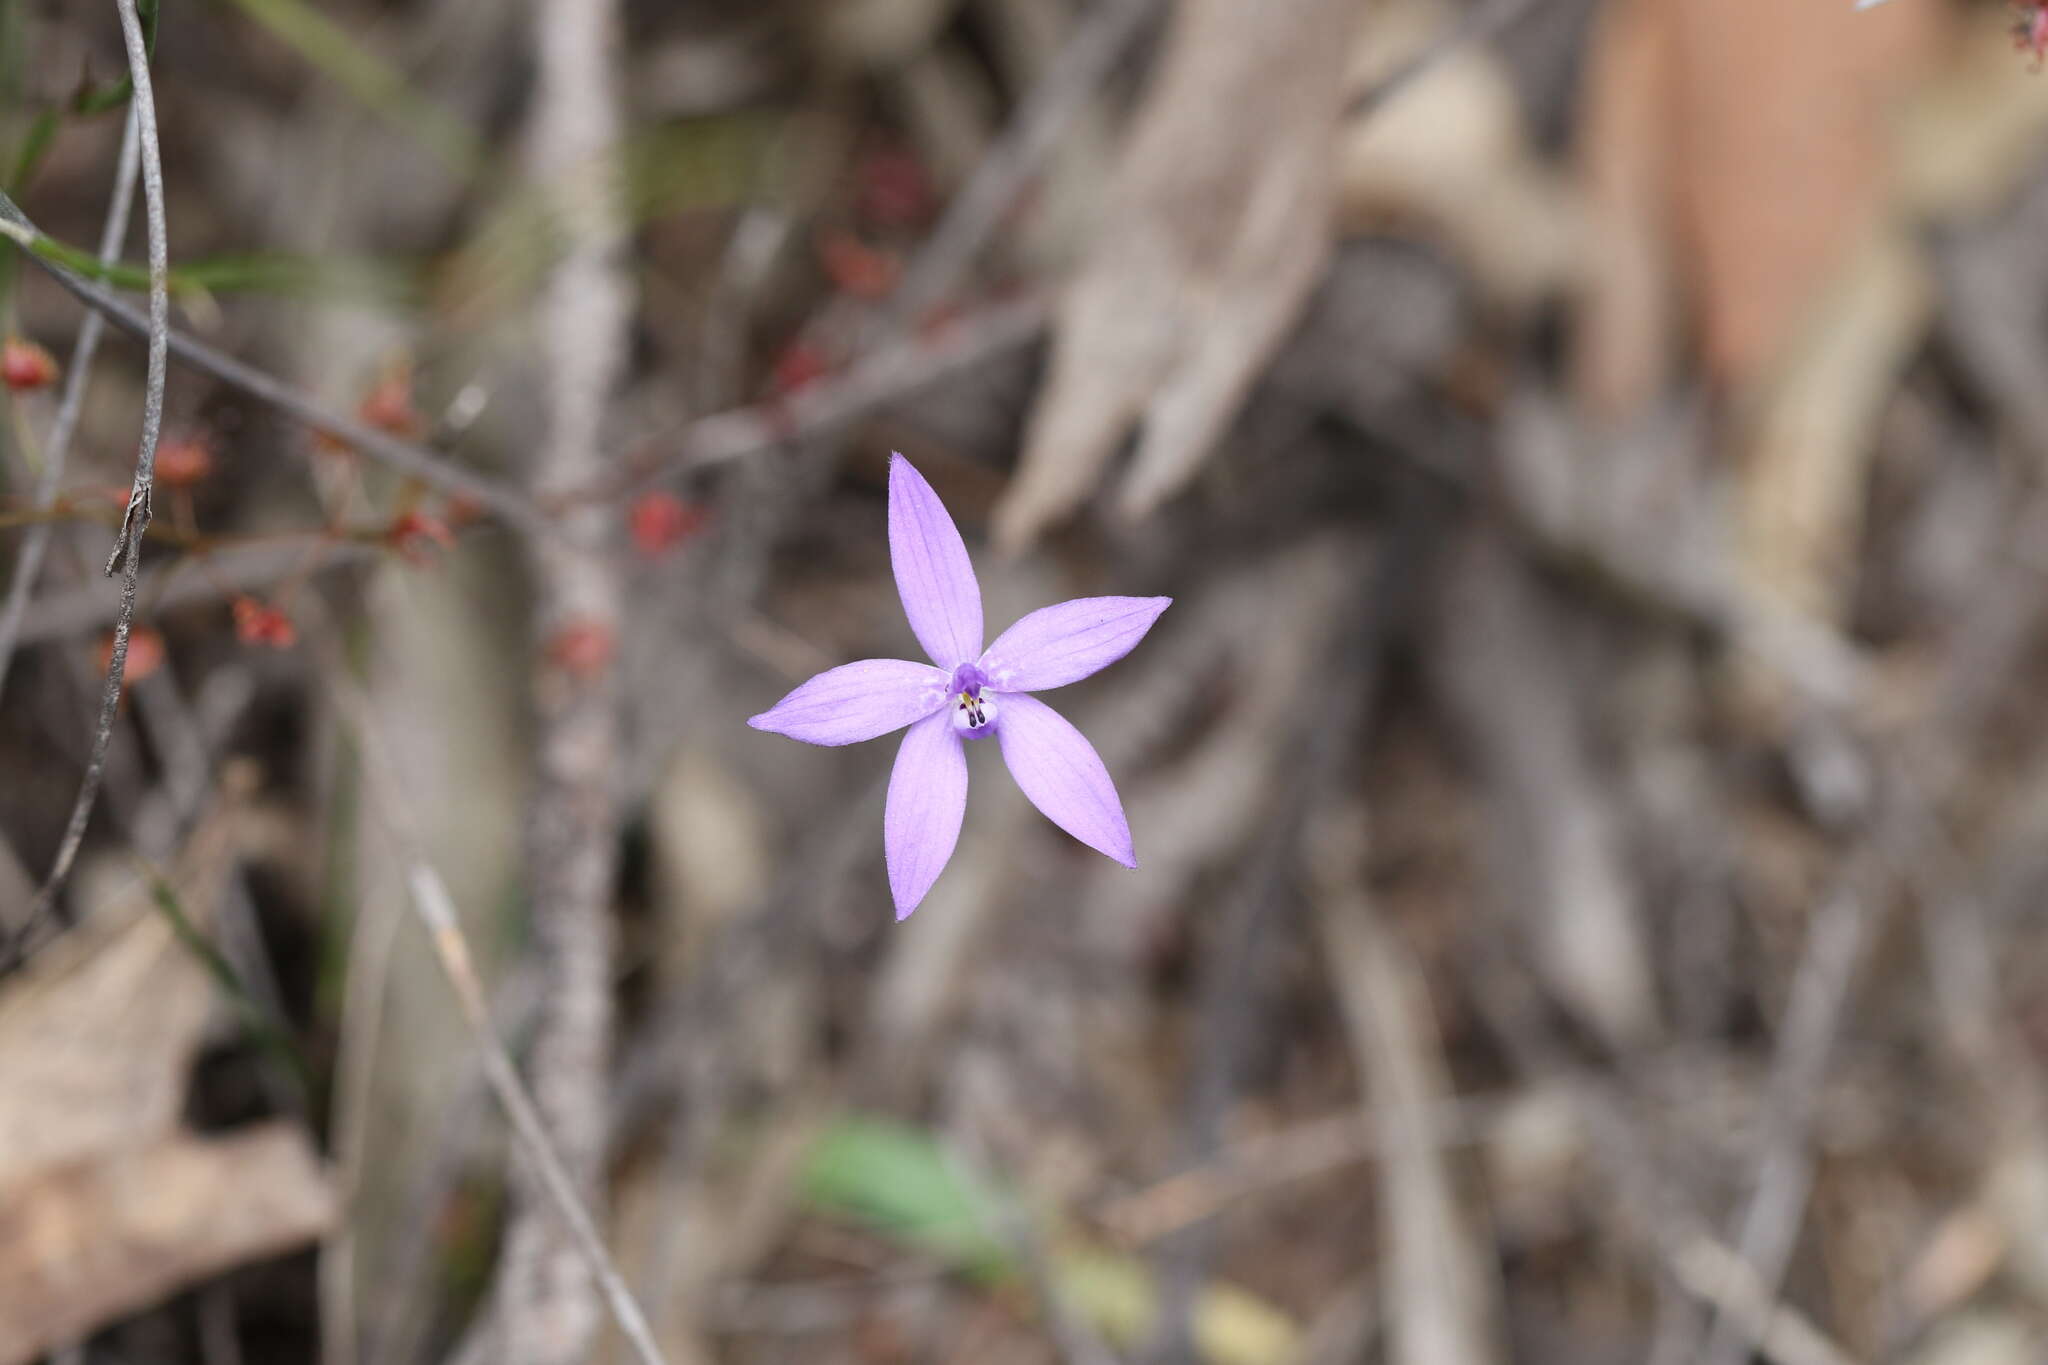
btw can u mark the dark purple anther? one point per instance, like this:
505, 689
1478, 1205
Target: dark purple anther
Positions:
973, 709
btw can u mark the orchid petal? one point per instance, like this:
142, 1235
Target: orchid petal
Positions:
933, 575
1058, 769
1064, 643
857, 701
927, 800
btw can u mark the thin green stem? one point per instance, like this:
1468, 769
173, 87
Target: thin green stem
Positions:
266, 1032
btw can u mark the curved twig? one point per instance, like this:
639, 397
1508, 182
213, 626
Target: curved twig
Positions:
127, 551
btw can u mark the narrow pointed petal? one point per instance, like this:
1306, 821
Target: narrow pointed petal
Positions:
933, 575
1064, 643
927, 799
1058, 769
857, 701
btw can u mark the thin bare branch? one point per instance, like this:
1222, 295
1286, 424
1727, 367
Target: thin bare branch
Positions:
543, 1310
1651, 1211
127, 551
428, 466
1099, 40
1715, 1273
1380, 599
86, 606
888, 375
1777, 1204
1271, 1161
372, 940
436, 910
1442, 1296
135, 521
28, 564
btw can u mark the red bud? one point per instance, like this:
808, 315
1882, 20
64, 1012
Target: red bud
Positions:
660, 521
25, 366
258, 623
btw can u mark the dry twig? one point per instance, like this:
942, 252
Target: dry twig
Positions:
436, 910
127, 552
1440, 1287
1777, 1204
1100, 38
543, 1311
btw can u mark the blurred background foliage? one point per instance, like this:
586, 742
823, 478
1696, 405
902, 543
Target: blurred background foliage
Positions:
1591, 791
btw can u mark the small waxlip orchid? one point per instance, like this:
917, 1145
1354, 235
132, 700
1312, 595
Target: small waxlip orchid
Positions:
968, 692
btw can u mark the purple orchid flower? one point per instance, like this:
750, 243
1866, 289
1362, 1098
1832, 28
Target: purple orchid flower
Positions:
970, 693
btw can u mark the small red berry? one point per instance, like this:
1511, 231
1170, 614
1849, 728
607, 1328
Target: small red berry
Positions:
2030, 30
660, 521
940, 318
894, 190
582, 648
857, 268
184, 462
415, 536
258, 623
388, 405
25, 366
332, 446
799, 365
145, 653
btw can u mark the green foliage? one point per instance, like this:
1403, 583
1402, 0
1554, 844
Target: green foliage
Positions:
267, 1033
90, 100
247, 273
675, 168
334, 52
87, 101
901, 1183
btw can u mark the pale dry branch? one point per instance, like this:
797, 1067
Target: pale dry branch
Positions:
371, 943
430, 900
543, 1310
1440, 1289
1784, 1178
1256, 1165
127, 551
86, 606
1716, 1274
887, 375
1318, 751
1001, 176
